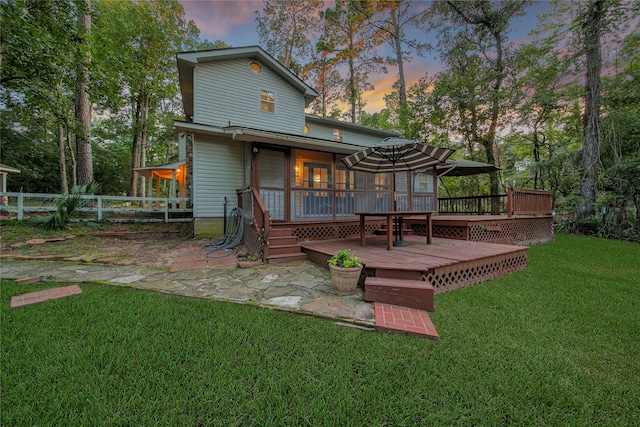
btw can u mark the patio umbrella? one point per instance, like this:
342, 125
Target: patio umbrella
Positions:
462, 167
397, 155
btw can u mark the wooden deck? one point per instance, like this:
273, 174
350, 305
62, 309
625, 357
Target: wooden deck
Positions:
447, 264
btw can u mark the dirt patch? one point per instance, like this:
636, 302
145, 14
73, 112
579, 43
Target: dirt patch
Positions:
151, 245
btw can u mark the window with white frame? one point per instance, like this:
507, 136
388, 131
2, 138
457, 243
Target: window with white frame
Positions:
423, 182
267, 101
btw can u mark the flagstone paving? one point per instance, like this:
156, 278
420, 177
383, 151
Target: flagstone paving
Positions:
300, 287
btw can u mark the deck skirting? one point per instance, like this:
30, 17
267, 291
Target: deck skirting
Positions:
469, 273
446, 264
521, 230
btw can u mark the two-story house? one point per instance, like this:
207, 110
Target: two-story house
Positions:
246, 132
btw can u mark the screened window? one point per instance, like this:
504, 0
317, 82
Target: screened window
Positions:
348, 179
378, 181
267, 101
423, 183
313, 170
272, 168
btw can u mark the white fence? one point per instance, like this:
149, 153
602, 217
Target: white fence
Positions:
109, 208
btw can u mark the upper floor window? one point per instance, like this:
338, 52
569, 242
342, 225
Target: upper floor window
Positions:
337, 135
267, 101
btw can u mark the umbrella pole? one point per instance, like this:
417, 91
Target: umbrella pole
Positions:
396, 232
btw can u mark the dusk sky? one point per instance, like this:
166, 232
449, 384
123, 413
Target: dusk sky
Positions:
233, 21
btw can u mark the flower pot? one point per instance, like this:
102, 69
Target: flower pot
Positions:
345, 280
248, 264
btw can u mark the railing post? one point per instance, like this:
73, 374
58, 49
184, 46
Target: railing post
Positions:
99, 208
166, 210
510, 201
20, 206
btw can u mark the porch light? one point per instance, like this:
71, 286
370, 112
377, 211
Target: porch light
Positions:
316, 178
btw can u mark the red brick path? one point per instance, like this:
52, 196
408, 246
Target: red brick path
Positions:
403, 319
44, 295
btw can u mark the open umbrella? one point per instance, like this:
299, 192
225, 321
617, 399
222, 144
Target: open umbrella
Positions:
397, 155
462, 167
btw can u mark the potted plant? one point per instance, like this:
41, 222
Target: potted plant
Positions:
248, 259
345, 270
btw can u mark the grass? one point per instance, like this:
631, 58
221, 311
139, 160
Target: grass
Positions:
556, 344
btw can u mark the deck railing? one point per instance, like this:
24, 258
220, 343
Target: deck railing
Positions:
528, 202
473, 205
517, 201
255, 211
100, 207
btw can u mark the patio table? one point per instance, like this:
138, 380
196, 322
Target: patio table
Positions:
389, 215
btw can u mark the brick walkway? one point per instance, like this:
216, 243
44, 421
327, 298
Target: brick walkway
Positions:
44, 295
412, 321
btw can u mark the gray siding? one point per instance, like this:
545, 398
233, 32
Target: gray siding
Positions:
228, 93
217, 169
317, 130
182, 146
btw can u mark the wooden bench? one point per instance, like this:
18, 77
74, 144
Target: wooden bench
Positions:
407, 293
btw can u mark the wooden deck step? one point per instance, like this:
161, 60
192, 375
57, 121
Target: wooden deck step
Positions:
282, 240
280, 232
284, 249
407, 293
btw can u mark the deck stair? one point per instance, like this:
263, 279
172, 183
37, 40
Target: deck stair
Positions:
407, 293
282, 246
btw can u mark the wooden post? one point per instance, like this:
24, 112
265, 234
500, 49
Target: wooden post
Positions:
510, 201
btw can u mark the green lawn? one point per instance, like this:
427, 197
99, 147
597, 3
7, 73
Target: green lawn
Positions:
556, 344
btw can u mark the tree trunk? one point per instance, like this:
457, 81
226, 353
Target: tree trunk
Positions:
72, 157
62, 161
84, 155
402, 86
353, 95
143, 141
591, 120
135, 147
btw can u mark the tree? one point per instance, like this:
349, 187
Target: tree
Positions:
284, 28
476, 87
83, 103
38, 52
578, 31
592, 28
390, 21
136, 68
347, 41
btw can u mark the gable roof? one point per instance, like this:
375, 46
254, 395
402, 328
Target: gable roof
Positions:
188, 60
